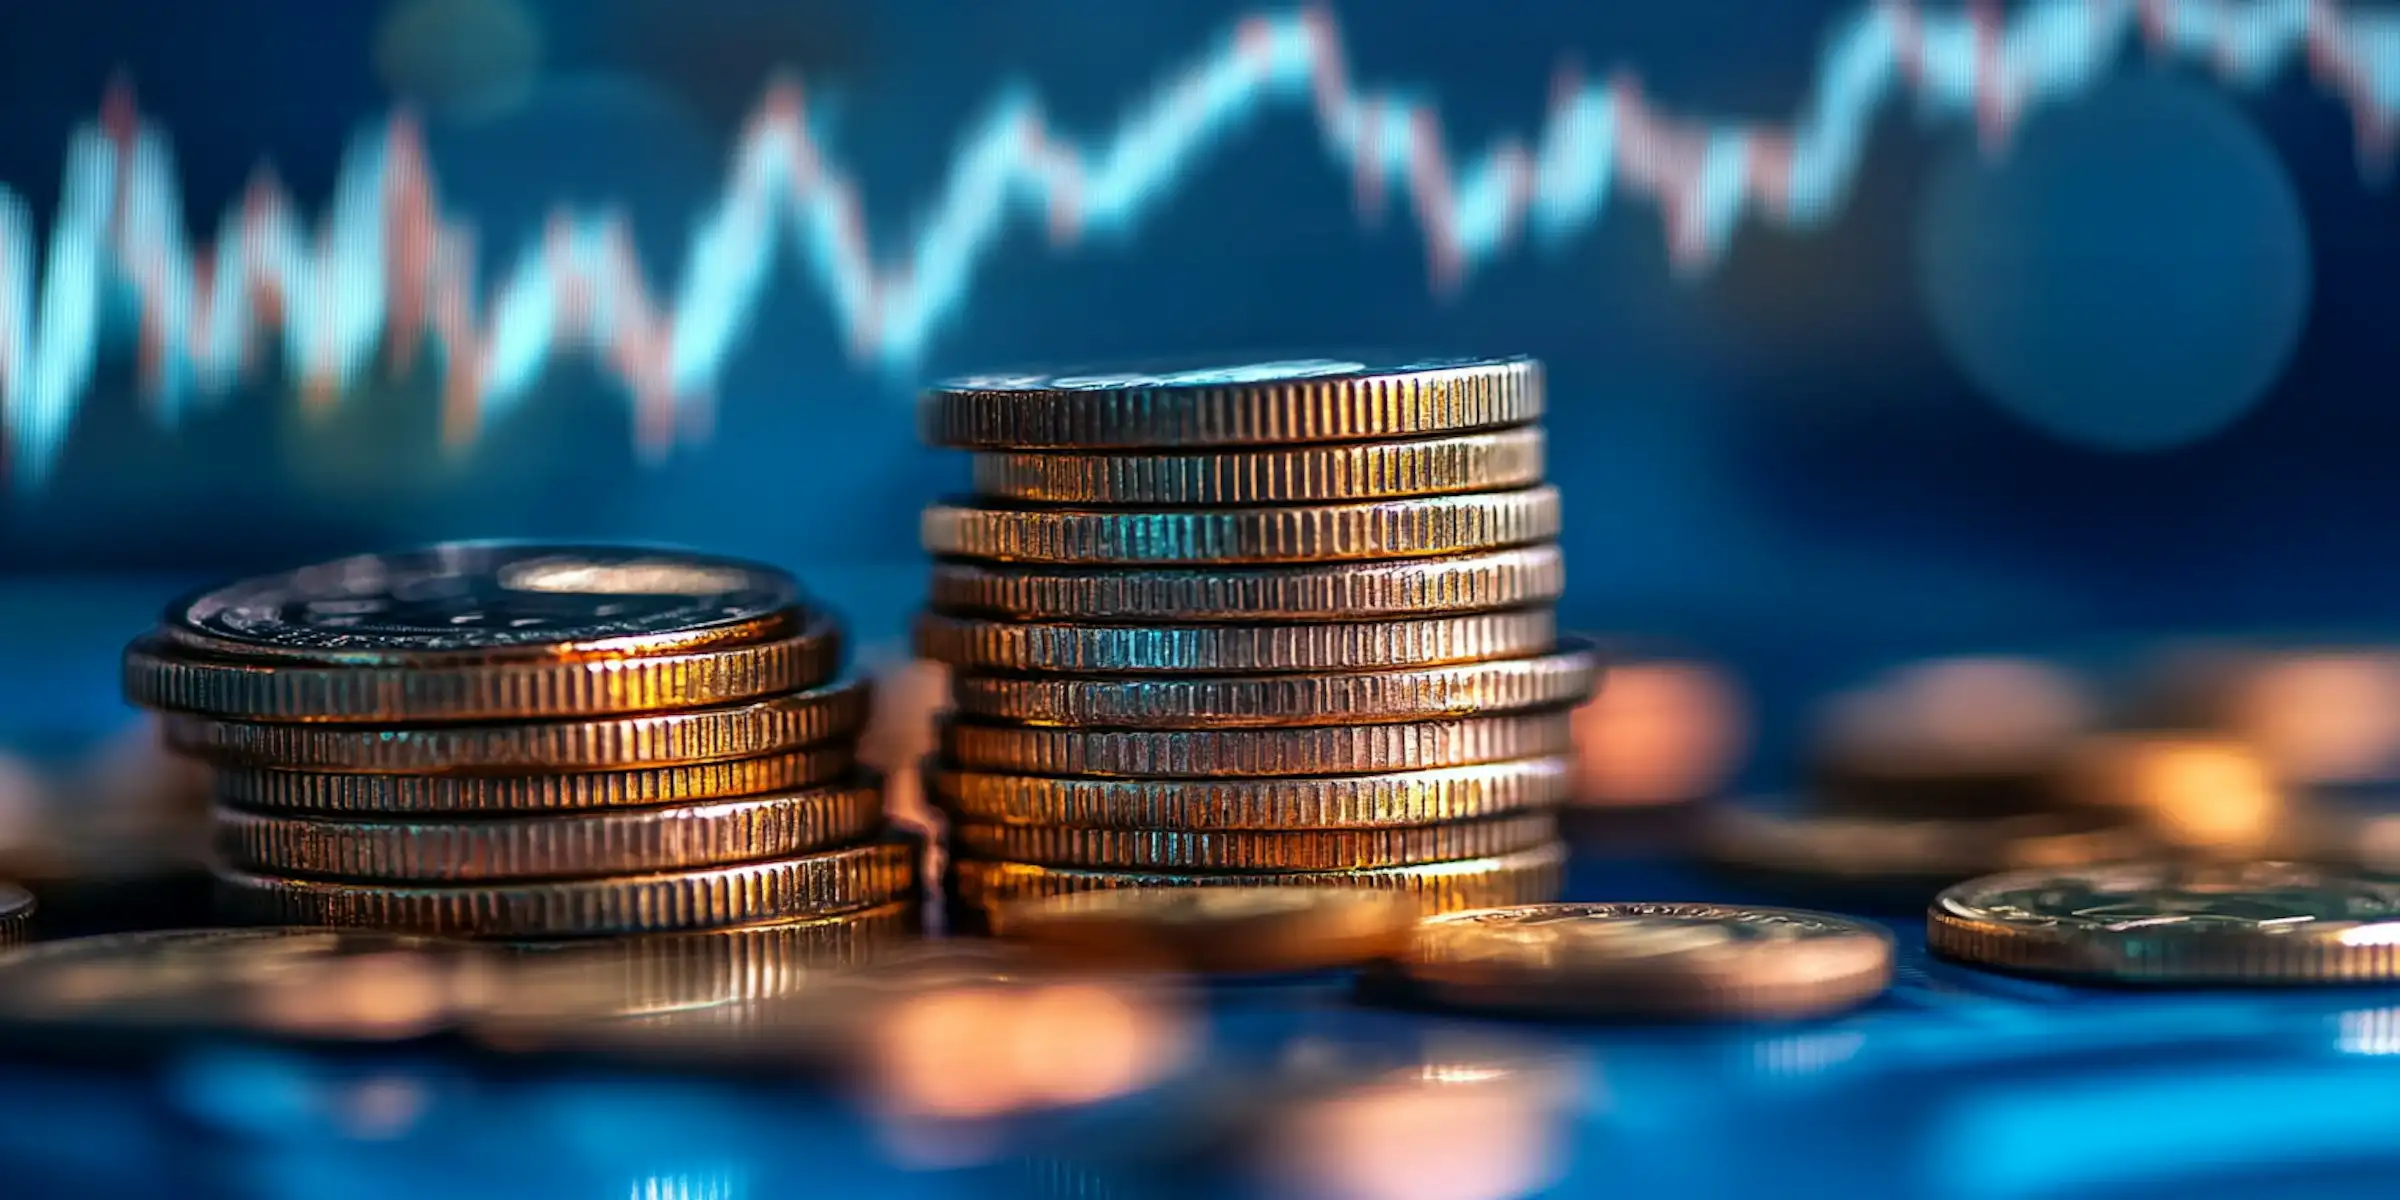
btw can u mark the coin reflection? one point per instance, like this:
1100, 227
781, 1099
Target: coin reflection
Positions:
1469, 1130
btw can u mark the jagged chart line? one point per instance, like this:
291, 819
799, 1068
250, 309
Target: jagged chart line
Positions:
387, 268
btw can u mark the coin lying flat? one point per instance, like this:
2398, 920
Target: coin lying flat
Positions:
1252, 849
1512, 578
551, 845
760, 727
833, 881
668, 972
1256, 929
981, 645
1651, 960
16, 914
1905, 859
1559, 679
1524, 877
273, 790
2165, 923
1290, 802
1309, 750
1473, 462
1306, 400
1418, 527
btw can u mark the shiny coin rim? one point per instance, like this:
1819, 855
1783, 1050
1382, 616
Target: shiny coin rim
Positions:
1518, 577
1419, 527
1303, 750
973, 643
274, 789
17, 907
1523, 877
666, 972
1295, 802
1294, 929
1253, 849
1489, 461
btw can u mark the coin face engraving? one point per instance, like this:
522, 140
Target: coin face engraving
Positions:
472, 597
1592, 934
2231, 899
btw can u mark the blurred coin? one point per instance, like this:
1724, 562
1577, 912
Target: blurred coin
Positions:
760, 727
2196, 793
1526, 876
16, 914
274, 790
1309, 750
1472, 462
552, 845
1512, 578
1418, 527
1951, 737
821, 884
1257, 929
1306, 400
2170, 923
1904, 860
1505, 685
1254, 850
1319, 802
969, 643
1655, 960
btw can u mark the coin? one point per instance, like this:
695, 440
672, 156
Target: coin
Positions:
308, 984
1323, 802
1308, 400
273, 790
833, 881
1524, 877
1253, 850
1312, 750
1419, 527
1902, 859
760, 727
982, 645
1473, 462
1254, 929
162, 675
1512, 578
1654, 960
16, 914
551, 845
1901, 787
2166, 923
667, 972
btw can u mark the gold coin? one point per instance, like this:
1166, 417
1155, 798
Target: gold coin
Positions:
1310, 400
1254, 929
1253, 850
2166, 923
760, 727
1525, 877
1562, 678
1904, 857
1323, 802
821, 884
1420, 527
1473, 462
669, 972
1310, 750
979, 645
16, 914
551, 845
162, 675
273, 790
1654, 960
1515, 578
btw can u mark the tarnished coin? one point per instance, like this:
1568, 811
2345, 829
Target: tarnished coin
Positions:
303, 984
551, 845
1525, 877
1310, 750
2167, 923
1255, 929
1514, 578
1254, 849
981, 645
821, 884
1304, 400
1564, 677
770, 726
1473, 462
1418, 527
1902, 860
16, 914
273, 790
1302, 802
1651, 960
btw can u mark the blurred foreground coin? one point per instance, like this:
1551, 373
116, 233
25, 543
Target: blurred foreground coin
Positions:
16, 913
1215, 929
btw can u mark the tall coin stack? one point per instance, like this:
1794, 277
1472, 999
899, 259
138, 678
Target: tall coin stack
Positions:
1285, 623
529, 742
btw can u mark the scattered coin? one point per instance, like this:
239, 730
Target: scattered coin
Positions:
1527, 876
1255, 850
647, 974
1417, 527
2175, 923
1255, 929
1290, 802
16, 914
1304, 750
1899, 859
974, 644
1472, 462
1513, 578
1649, 960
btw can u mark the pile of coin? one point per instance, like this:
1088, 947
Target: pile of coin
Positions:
527, 742
1287, 623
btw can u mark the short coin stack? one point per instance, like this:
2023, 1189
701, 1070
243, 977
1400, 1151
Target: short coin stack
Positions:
527, 742
1286, 623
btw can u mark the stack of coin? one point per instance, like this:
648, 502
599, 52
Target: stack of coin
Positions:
1280, 624
525, 742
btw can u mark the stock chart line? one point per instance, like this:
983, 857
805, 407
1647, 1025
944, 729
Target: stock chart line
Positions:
387, 268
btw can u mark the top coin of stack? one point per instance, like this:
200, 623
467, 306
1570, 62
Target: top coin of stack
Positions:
525, 741
1275, 624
